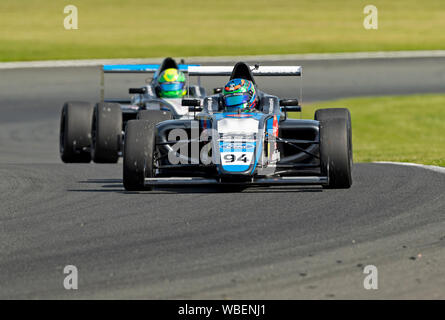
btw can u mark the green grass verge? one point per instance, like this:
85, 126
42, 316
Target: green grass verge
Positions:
394, 128
33, 29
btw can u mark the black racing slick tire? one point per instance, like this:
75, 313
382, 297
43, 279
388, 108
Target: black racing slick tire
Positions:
325, 114
331, 113
75, 132
154, 116
335, 153
106, 133
139, 148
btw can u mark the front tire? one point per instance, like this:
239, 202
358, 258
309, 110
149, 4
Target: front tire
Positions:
139, 148
75, 132
332, 113
106, 133
335, 153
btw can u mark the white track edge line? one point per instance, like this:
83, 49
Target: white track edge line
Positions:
424, 166
270, 58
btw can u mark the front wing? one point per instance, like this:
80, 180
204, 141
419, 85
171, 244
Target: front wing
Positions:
303, 180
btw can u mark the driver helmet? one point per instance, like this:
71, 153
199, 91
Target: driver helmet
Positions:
171, 84
240, 96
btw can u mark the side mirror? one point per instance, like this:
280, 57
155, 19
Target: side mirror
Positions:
292, 109
290, 105
217, 90
289, 102
137, 90
193, 104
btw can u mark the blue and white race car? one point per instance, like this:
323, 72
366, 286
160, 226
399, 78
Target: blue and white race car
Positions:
240, 136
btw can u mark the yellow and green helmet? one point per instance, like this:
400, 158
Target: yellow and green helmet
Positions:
171, 84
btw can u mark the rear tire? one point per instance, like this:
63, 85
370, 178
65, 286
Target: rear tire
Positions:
335, 153
75, 132
154, 116
139, 147
106, 133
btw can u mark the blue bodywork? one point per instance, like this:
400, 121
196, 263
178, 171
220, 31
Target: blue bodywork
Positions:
246, 149
140, 67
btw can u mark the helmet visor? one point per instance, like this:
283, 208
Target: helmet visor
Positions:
236, 99
172, 86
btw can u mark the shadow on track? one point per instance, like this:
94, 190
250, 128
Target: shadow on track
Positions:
116, 185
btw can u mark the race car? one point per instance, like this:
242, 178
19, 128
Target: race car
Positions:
95, 131
255, 144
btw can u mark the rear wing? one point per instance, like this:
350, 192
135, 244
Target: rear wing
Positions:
256, 71
133, 68
197, 70
140, 68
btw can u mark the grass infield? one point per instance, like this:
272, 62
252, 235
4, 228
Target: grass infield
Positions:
394, 128
33, 29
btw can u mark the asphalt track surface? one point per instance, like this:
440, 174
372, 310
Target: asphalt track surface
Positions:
280, 242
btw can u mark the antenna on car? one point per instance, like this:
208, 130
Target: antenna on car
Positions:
182, 61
